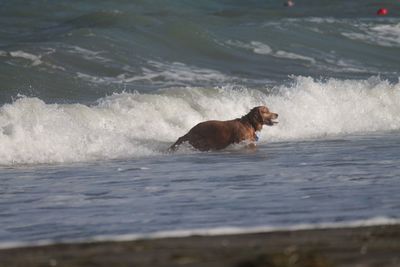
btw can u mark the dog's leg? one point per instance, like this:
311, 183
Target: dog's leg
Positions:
175, 146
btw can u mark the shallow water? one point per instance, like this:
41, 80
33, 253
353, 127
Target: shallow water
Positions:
92, 94
280, 184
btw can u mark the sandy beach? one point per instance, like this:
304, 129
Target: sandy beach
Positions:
358, 246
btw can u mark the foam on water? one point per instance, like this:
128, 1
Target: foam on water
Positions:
264, 49
311, 109
383, 34
34, 59
219, 231
137, 125
166, 74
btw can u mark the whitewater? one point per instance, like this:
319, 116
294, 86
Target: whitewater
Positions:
131, 125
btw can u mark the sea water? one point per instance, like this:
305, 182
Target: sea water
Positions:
93, 94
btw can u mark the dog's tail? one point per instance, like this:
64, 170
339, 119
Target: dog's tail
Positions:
176, 145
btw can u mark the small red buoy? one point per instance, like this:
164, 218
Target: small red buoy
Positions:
382, 12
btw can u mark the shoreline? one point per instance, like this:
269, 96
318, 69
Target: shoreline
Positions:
375, 245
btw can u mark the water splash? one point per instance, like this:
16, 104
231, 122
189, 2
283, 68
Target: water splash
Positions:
136, 125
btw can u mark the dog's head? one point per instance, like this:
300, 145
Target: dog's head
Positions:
260, 116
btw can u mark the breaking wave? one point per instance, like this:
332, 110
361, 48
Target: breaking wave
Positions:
135, 125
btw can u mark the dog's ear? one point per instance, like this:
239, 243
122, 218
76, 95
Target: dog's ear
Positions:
260, 116
256, 115
256, 118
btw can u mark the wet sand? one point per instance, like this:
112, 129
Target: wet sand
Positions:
359, 246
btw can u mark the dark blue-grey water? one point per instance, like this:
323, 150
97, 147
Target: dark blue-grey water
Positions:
280, 184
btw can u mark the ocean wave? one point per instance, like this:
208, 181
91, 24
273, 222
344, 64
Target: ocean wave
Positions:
149, 50
136, 125
264, 49
312, 109
30, 59
158, 73
386, 34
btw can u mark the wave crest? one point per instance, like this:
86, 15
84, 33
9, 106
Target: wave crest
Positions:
137, 125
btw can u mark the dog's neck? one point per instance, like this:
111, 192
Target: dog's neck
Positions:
246, 119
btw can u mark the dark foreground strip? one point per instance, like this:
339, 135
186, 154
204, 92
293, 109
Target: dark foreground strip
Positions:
361, 246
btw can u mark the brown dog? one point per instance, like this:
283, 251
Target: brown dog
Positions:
215, 135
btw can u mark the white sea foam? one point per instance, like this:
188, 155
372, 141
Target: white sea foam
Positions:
218, 231
260, 48
284, 54
137, 125
316, 109
342, 64
264, 49
251, 230
88, 54
174, 73
165, 73
178, 72
36, 60
385, 34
